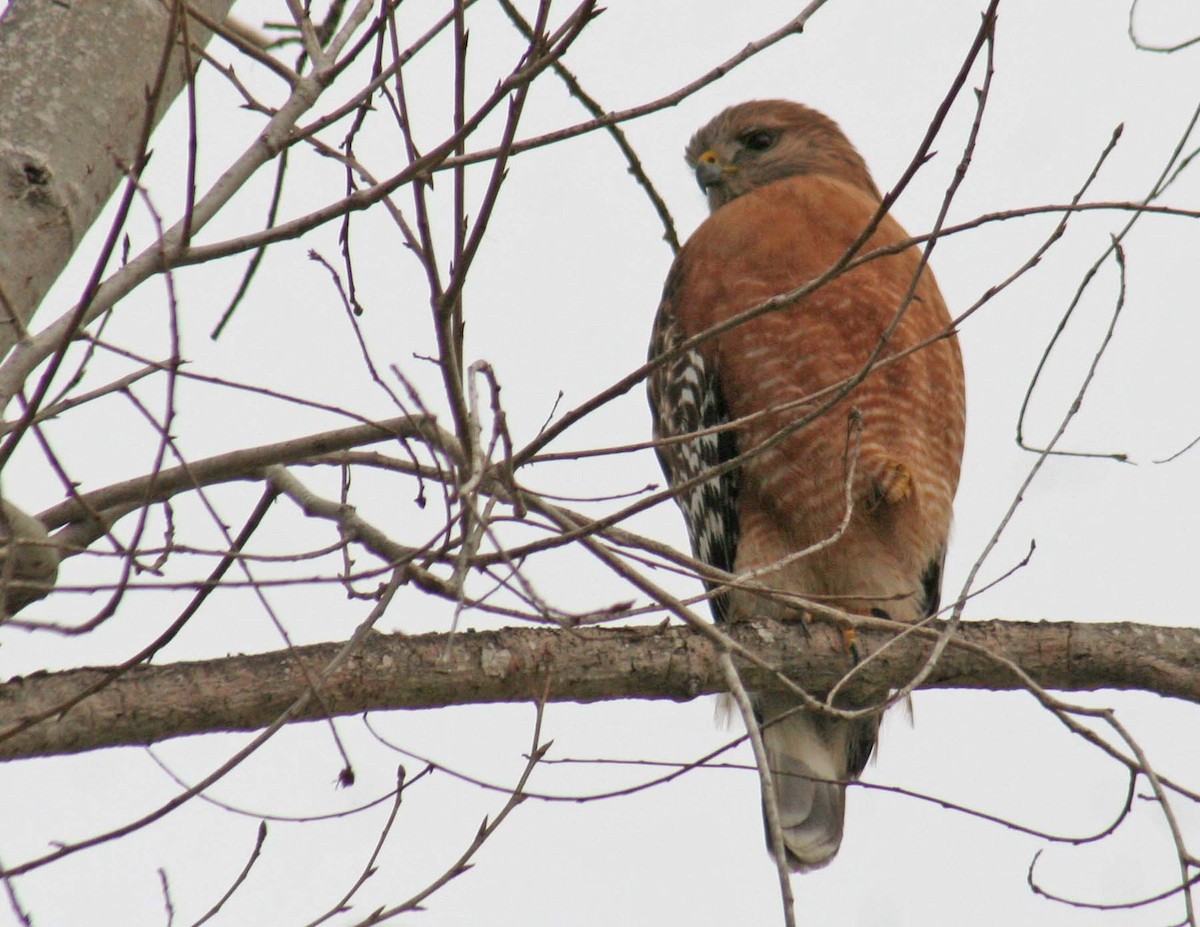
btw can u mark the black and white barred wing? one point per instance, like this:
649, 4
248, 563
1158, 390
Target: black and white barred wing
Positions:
685, 399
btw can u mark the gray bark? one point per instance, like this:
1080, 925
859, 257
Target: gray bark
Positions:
73, 89
147, 704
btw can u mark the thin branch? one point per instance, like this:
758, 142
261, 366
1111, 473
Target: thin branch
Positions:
259, 841
248, 463
486, 829
766, 784
294, 707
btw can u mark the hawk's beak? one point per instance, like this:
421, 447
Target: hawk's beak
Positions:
710, 171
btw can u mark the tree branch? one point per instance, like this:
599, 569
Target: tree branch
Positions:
152, 703
247, 463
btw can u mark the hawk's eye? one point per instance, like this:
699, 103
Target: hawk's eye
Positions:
758, 140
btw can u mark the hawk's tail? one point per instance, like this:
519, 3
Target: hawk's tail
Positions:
803, 749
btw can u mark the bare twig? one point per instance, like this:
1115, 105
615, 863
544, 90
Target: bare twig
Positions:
766, 781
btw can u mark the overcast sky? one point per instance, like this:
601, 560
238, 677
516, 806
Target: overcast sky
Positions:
562, 300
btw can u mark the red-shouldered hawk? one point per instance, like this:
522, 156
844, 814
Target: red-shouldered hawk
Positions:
788, 195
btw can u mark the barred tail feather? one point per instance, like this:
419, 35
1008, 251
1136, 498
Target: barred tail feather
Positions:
802, 750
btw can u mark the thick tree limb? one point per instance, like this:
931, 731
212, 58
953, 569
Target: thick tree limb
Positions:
154, 703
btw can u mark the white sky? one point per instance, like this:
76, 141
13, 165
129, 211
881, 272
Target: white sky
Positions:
562, 299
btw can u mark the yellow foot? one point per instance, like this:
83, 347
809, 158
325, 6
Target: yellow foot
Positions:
850, 640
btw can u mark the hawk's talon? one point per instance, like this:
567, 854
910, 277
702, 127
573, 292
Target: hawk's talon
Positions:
850, 642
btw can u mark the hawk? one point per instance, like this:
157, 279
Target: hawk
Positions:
788, 195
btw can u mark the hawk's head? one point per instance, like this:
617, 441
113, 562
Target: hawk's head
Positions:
756, 143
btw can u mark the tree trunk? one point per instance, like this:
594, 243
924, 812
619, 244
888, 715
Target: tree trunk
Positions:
74, 79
